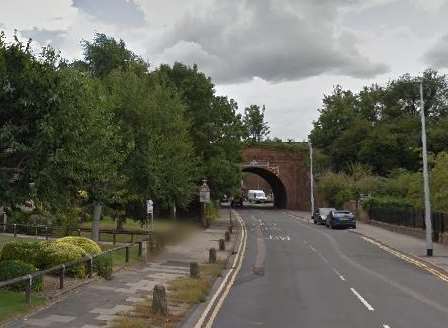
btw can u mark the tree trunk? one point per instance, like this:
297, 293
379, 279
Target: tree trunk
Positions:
97, 210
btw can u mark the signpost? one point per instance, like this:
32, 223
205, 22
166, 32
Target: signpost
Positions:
204, 198
150, 212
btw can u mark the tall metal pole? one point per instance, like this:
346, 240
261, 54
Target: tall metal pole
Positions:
311, 178
429, 249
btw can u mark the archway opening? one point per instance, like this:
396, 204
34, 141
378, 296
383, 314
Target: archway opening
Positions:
276, 185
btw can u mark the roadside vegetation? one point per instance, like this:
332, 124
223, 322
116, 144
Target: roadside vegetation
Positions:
370, 143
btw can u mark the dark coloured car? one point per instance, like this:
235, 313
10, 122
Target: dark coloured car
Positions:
320, 215
341, 219
237, 202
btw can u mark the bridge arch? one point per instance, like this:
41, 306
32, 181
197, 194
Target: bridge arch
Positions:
278, 188
285, 169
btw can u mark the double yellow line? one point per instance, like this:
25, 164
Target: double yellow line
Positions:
208, 316
417, 263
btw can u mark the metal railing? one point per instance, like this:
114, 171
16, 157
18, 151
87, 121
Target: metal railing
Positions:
61, 269
412, 218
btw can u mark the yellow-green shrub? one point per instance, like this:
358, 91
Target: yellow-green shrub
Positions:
54, 253
88, 245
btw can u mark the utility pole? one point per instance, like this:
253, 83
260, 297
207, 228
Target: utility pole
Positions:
429, 249
311, 177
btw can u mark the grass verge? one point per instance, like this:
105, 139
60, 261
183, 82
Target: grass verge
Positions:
13, 304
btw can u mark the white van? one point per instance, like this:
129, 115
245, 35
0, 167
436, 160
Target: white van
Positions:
256, 196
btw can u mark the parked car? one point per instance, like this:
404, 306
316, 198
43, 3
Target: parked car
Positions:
320, 214
341, 219
237, 202
256, 196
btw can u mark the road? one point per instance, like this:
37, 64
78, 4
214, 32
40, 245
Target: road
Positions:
297, 274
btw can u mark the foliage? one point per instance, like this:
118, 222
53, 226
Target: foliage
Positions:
26, 251
380, 125
253, 120
103, 266
15, 268
54, 253
88, 245
335, 188
439, 183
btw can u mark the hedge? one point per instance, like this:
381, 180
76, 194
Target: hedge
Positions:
26, 251
54, 253
14, 268
88, 245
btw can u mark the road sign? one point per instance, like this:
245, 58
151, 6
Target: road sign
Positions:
204, 193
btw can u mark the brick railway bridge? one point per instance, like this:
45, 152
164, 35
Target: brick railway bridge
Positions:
284, 170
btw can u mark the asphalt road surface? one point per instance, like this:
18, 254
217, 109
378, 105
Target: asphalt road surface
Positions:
297, 274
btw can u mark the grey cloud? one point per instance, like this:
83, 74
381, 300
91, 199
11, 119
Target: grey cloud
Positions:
276, 40
119, 12
54, 38
437, 56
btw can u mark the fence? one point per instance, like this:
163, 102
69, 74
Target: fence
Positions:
411, 217
61, 269
47, 232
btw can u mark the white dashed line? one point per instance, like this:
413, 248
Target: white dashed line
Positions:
339, 275
313, 249
386, 326
363, 301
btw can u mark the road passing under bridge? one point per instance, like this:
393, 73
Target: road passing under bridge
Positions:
296, 274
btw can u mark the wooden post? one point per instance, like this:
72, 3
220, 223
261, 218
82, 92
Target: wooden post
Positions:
114, 238
222, 245
46, 232
127, 254
227, 236
159, 302
212, 255
28, 290
140, 248
194, 270
15, 230
230, 229
91, 267
61, 277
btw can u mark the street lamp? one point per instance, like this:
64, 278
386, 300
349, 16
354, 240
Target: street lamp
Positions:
311, 177
428, 225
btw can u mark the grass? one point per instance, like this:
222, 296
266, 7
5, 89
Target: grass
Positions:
182, 291
13, 304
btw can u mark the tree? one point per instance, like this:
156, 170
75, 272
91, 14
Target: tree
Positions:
253, 120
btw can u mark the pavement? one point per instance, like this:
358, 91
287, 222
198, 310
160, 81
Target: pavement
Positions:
97, 304
303, 275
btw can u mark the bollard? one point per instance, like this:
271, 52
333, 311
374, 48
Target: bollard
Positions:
212, 256
194, 270
222, 245
159, 302
90, 267
227, 236
15, 230
28, 290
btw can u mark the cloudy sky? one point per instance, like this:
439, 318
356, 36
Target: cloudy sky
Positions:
285, 54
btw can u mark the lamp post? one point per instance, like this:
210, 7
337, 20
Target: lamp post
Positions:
311, 178
428, 225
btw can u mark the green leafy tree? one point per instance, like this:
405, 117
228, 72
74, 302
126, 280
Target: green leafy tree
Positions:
253, 120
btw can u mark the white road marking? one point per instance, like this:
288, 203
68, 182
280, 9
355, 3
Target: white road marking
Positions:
339, 274
270, 236
363, 301
287, 238
313, 249
386, 326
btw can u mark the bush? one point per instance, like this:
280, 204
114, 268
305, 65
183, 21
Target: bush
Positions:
88, 245
103, 266
26, 251
54, 253
13, 268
